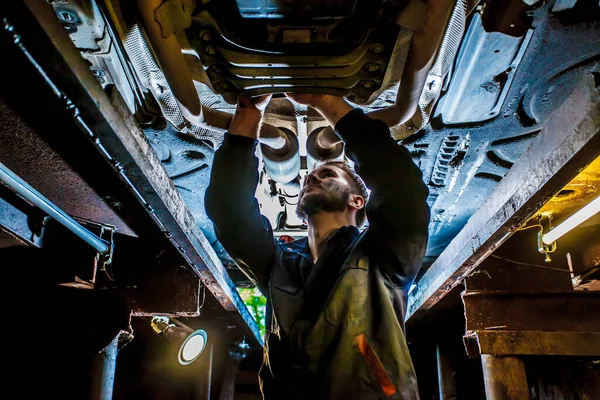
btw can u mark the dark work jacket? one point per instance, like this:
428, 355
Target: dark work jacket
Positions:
335, 329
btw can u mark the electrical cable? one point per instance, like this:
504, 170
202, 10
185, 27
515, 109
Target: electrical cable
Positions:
529, 265
529, 227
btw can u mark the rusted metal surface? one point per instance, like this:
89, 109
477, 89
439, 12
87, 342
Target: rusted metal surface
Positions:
23, 189
569, 142
505, 378
26, 153
174, 292
112, 129
538, 343
573, 311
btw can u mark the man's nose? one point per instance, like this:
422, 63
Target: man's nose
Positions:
311, 179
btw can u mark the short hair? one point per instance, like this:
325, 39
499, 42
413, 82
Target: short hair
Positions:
358, 187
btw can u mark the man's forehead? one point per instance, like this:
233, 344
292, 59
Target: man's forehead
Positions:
326, 167
329, 167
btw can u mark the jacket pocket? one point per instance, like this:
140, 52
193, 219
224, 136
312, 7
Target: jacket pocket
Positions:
374, 366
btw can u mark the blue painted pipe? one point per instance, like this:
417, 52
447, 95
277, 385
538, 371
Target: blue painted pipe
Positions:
29, 193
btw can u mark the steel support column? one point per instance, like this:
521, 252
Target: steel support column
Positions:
446, 373
204, 381
105, 364
228, 385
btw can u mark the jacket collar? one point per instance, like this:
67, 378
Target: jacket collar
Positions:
302, 248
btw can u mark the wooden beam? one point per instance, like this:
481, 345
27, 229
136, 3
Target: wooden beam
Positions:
572, 311
569, 141
502, 343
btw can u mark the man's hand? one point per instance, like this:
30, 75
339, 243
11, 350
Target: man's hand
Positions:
333, 108
253, 103
248, 116
308, 99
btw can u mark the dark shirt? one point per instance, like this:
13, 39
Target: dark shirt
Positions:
296, 289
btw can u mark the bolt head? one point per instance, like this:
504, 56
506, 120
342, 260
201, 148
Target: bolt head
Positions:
371, 67
367, 84
210, 50
205, 35
377, 48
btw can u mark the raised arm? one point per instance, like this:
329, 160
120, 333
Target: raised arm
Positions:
397, 211
230, 203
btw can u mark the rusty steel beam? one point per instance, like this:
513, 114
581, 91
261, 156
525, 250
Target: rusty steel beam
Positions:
569, 141
172, 291
113, 131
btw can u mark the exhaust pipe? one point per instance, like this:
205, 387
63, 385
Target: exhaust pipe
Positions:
323, 145
283, 165
421, 55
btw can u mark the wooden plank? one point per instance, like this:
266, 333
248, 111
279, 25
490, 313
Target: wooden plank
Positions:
539, 343
572, 311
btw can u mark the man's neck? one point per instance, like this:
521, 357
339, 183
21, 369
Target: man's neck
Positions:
322, 226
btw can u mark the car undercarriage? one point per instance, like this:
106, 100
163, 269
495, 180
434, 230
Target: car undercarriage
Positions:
466, 86
497, 73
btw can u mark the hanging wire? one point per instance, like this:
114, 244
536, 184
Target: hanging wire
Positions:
529, 227
529, 265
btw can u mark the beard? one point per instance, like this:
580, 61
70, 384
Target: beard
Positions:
333, 198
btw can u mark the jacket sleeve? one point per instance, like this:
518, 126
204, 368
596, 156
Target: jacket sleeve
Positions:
230, 204
397, 211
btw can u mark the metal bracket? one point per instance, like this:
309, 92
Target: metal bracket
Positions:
542, 247
107, 233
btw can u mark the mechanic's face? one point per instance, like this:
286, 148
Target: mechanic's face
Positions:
327, 189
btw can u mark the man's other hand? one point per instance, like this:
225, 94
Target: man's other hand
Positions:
254, 103
248, 116
308, 99
333, 108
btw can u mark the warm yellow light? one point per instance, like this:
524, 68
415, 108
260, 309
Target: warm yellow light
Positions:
574, 220
193, 347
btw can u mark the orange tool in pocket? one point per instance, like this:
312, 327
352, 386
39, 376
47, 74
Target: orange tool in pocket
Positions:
375, 366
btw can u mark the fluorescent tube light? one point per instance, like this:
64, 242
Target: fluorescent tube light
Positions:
574, 220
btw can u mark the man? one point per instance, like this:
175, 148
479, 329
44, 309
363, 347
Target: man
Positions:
336, 299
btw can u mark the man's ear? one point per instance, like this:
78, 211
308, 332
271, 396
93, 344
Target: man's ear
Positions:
356, 201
